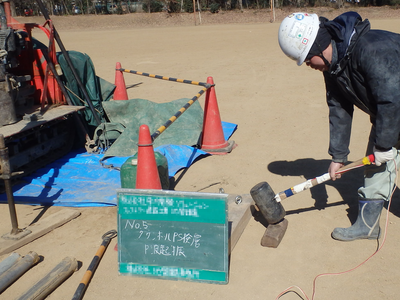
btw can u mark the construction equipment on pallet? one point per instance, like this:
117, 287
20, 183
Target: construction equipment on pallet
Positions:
38, 121
37, 124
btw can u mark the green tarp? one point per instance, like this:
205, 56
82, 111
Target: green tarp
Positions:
127, 116
133, 113
98, 89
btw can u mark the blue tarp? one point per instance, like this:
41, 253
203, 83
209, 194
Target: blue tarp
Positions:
79, 180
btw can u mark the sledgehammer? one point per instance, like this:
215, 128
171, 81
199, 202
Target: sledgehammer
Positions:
269, 203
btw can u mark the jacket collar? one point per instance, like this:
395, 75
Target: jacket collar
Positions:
344, 42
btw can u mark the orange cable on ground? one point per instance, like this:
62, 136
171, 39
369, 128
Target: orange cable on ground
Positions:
359, 265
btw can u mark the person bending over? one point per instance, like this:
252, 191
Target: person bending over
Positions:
361, 68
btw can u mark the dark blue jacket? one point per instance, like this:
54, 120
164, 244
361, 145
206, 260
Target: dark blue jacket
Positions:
365, 73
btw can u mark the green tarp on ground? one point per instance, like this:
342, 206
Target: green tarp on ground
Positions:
133, 113
127, 116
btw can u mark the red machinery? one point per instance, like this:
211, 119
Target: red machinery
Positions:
35, 121
28, 12
25, 68
36, 125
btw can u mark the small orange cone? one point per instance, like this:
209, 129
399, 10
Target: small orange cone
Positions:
213, 140
147, 176
120, 92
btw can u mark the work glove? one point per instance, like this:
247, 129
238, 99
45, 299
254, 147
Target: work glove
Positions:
382, 156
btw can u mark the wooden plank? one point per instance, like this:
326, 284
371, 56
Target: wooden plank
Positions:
39, 229
239, 215
49, 115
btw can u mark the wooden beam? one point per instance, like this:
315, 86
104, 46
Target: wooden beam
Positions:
39, 229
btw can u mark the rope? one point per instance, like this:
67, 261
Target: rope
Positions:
80, 99
179, 113
164, 77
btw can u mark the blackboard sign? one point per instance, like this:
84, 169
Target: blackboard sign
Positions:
173, 235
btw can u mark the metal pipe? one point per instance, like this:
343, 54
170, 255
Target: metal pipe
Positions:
6, 175
9, 261
19, 268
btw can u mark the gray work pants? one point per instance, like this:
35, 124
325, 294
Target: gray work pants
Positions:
379, 182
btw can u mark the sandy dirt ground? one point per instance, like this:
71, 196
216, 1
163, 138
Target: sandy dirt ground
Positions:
282, 138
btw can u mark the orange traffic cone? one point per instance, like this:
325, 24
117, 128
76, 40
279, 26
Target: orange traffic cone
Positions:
213, 140
147, 176
120, 92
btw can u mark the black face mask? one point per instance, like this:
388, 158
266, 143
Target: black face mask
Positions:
321, 42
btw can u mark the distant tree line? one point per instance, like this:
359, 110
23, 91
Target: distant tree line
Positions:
70, 7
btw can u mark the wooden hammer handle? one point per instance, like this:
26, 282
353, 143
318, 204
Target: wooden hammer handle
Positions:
323, 178
358, 163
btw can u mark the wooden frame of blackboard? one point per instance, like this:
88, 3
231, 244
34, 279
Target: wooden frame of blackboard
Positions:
173, 235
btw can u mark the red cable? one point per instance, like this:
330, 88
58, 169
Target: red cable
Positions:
383, 242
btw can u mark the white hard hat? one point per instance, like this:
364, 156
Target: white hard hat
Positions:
297, 34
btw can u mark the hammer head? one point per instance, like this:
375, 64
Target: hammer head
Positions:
264, 197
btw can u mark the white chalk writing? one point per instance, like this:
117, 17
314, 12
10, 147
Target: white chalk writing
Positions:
163, 271
133, 224
164, 250
151, 205
162, 243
